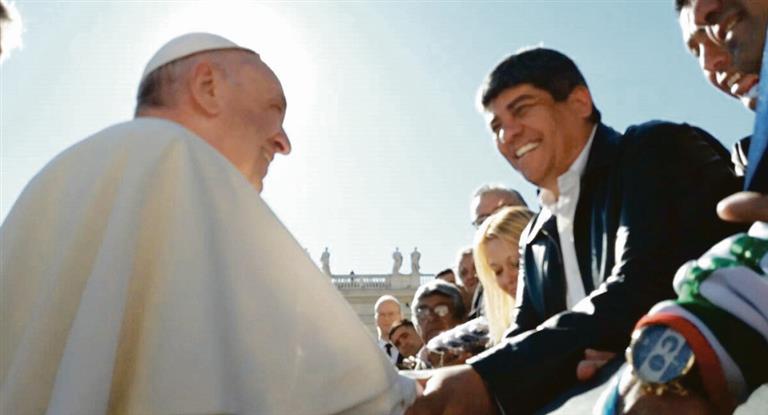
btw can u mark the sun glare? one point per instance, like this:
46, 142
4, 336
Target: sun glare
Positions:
257, 26
280, 42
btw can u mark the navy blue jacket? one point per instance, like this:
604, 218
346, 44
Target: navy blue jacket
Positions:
647, 204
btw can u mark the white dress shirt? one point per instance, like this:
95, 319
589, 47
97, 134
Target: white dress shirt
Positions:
564, 209
392, 353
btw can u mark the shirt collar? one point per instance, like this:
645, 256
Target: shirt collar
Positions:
572, 176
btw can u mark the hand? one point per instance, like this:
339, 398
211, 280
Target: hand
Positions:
593, 361
448, 358
744, 207
455, 390
637, 400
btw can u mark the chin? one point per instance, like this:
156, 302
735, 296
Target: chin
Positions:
750, 103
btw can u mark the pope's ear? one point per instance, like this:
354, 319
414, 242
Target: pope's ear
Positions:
580, 100
204, 83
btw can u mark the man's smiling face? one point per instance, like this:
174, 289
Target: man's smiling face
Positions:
727, 37
531, 131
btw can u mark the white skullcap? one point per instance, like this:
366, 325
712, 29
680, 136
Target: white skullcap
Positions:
186, 45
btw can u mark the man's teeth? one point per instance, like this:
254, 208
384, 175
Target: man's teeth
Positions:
729, 29
733, 79
524, 149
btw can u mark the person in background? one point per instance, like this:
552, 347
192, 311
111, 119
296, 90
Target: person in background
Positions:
404, 336
386, 312
497, 258
437, 307
487, 199
446, 275
468, 281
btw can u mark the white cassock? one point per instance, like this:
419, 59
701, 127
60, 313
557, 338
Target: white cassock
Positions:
143, 274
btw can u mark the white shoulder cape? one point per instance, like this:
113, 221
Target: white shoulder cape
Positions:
142, 274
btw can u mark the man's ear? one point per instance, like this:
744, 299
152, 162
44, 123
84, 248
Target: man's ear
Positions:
580, 100
204, 84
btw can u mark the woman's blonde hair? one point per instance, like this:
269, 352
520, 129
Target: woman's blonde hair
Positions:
506, 225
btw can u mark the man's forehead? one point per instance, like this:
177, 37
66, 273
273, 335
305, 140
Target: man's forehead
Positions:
515, 92
390, 304
491, 199
518, 93
436, 299
401, 331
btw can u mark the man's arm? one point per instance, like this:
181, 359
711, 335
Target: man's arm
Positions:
528, 315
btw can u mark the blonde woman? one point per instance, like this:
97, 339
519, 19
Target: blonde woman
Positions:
497, 258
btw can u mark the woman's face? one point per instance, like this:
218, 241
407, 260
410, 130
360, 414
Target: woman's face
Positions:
504, 260
467, 272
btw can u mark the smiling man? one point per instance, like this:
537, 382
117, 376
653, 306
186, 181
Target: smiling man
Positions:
143, 273
620, 212
726, 36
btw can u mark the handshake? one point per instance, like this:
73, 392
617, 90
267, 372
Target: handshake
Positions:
470, 337
452, 347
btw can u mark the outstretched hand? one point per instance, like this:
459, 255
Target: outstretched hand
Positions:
593, 361
454, 390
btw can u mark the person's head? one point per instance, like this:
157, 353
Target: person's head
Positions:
10, 28
488, 199
497, 257
386, 311
540, 111
727, 38
404, 336
222, 92
446, 275
466, 268
437, 306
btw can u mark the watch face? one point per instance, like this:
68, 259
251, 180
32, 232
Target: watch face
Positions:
659, 354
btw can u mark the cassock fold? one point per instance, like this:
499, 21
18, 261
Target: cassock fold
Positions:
143, 274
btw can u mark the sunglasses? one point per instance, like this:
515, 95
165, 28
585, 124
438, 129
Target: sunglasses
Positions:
423, 312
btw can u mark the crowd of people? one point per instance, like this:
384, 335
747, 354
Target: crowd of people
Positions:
645, 261
563, 293
483, 292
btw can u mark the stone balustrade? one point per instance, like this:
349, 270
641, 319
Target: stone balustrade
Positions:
379, 282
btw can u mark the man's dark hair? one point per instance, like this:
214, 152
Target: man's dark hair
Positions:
679, 4
156, 89
402, 323
445, 289
542, 68
444, 272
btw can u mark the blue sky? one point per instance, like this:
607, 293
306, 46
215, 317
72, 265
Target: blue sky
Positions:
388, 144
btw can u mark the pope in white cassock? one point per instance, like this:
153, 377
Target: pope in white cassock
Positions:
142, 273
